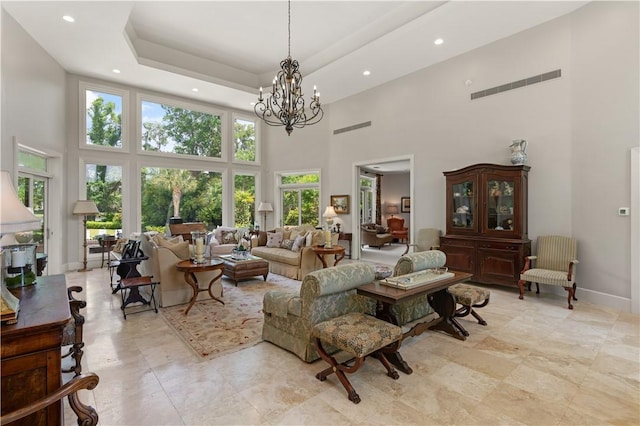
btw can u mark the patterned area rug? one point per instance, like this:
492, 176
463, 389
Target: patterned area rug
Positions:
212, 329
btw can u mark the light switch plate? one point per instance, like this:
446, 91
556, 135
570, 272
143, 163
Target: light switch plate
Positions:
623, 211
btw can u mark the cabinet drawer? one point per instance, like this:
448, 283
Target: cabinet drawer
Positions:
498, 245
455, 242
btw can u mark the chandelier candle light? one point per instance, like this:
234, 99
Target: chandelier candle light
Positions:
329, 214
284, 106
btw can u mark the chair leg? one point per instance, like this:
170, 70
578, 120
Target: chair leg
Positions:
569, 296
481, 321
537, 289
574, 292
521, 286
339, 370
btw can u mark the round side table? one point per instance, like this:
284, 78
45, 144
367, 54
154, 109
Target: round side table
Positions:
189, 268
321, 251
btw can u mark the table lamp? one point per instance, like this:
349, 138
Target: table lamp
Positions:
14, 217
392, 209
264, 208
85, 208
329, 214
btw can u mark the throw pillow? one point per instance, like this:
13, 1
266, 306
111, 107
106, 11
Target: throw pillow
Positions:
287, 244
380, 229
274, 239
262, 238
229, 237
314, 238
298, 243
181, 249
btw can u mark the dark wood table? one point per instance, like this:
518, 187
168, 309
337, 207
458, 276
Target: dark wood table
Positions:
346, 236
439, 298
107, 245
190, 268
321, 251
31, 362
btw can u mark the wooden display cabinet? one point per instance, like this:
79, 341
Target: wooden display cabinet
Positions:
487, 229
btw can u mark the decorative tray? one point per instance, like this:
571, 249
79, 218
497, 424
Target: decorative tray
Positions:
417, 279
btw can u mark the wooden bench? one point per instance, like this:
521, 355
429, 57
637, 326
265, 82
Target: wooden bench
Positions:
359, 335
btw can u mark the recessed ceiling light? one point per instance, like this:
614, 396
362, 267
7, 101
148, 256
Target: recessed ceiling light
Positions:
438, 41
195, 89
366, 72
68, 18
116, 71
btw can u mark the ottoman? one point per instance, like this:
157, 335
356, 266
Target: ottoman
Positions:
242, 269
470, 297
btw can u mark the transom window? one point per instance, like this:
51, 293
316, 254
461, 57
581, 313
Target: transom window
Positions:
103, 112
244, 140
179, 130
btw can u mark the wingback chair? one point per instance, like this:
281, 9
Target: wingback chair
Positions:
555, 262
427, 239
397, 228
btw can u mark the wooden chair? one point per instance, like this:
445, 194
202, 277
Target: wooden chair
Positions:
554, 265
87, 415
72, 334
185, 229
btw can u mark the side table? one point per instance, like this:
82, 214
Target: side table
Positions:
346, 236
321, 251
189, 268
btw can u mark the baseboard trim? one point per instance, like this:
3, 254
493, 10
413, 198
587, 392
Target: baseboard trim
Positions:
592, 296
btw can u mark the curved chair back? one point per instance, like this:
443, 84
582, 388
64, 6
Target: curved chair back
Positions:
395, 224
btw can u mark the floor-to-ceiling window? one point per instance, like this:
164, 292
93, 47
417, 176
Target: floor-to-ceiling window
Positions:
33, 184
367, 199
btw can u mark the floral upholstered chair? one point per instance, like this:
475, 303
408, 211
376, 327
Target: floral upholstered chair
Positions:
324, 294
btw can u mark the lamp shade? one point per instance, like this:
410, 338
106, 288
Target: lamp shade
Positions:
329, 212
265, 207
85, 208
392, 209
14, 216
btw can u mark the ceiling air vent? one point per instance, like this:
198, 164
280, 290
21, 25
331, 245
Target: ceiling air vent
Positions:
520, 83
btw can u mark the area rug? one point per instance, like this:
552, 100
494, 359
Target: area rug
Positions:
212, 329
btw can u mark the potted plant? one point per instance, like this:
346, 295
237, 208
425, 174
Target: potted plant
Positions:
240, 252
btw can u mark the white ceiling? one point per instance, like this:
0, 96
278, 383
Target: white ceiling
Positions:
227, 49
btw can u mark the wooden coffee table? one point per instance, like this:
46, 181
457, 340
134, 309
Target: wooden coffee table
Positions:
190, 268
439, 298
321, 251
238, 269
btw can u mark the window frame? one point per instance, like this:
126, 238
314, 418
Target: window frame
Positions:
143, 97
83, 86
282, 187
246, 117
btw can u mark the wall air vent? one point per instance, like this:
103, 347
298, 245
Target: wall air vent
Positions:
516, 84
354, 127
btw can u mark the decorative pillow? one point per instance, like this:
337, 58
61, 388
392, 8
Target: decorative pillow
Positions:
287, 244
262, 238
181, 249
229, 237
274, 239
314, 238
119, 246
298, 243
380, 229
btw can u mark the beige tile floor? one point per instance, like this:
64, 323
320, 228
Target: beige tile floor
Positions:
535, 363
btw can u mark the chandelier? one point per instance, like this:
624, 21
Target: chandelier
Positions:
285, 106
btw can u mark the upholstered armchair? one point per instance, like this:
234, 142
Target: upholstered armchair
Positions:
324, 294
427, 239
554, 264
417, 307
397, 228
374, 236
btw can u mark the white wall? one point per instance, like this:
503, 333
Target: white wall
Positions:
33, 113
579, 127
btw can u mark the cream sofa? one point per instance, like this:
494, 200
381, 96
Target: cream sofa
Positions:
286, 262
173, 289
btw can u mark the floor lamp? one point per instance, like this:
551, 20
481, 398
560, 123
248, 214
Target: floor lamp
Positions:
264, 208
85, 208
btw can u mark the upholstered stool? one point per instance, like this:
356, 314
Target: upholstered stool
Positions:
359, 335
469, 297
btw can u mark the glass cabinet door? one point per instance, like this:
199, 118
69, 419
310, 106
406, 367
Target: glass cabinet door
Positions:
463, 206
499, 215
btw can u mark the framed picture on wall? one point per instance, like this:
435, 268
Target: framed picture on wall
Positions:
340, 203
405, 204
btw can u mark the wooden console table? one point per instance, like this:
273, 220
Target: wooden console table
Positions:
31, 364
346, 236
442, 302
